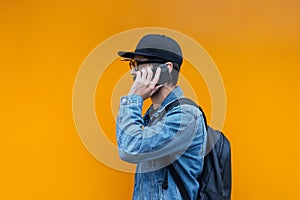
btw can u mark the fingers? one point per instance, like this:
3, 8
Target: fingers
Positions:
138, 75
156, 77
146, 76
149, 74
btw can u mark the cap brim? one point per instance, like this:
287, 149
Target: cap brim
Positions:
128, 54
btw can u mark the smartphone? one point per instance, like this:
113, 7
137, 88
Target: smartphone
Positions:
165, 76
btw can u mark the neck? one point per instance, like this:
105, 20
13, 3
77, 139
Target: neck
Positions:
158, 97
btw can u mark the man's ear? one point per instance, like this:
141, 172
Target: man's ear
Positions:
170, 66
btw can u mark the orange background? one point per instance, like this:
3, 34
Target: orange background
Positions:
255, 45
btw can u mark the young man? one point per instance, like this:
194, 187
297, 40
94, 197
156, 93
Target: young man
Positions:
153, 142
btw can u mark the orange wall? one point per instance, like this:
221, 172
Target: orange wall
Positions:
255, 45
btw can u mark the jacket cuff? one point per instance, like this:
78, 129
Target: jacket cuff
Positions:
131, 99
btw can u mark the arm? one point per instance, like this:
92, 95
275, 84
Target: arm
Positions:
172, 135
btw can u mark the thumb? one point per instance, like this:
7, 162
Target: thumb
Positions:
155, 89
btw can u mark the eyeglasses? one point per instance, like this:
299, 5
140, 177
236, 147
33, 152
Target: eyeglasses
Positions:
136, 63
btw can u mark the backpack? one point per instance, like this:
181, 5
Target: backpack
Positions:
215, 180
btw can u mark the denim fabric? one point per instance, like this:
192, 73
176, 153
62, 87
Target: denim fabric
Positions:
178, 137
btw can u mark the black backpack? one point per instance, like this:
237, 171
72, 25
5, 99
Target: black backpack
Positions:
215, 180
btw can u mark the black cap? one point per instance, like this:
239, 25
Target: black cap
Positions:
155, 45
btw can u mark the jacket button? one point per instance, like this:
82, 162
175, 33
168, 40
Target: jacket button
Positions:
124, 100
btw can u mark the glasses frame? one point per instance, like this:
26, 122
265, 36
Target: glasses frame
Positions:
136, 63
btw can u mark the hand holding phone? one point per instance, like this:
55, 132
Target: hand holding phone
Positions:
145, 86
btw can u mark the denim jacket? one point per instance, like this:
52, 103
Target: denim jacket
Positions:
177, 138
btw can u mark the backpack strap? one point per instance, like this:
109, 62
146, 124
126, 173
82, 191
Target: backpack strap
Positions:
179, 182
171, 167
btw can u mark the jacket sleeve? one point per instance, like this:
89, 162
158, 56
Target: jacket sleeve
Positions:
172, 135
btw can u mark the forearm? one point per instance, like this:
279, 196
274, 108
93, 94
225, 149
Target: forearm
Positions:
130, 124
138, 143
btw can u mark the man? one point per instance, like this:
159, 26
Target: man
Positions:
153, 142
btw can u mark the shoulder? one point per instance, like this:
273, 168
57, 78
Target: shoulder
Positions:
191, 109
185, 105
183, 109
